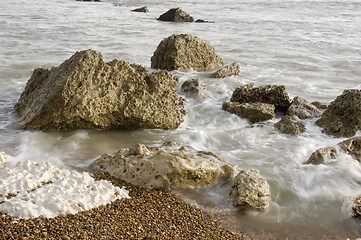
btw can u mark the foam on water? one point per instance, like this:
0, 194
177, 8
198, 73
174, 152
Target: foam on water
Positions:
311, 47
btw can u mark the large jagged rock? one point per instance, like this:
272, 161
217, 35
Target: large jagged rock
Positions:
271, 94
303, 109
342, 117
254, 112
168, 166
351, 146
175, 15
227, 71
250, 191
184, 52
292, 125
85, 92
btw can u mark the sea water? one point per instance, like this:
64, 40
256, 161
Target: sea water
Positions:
312, 47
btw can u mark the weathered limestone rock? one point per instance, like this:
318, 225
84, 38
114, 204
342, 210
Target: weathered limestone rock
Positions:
227, 71
303, 108
250, 191
356, 207
271, 94
352, 146
176, 15
184, 52
194, 87
322, 155
4, 159
170, 165
85, 92
342, 118
254, 112
290, 125
142, 9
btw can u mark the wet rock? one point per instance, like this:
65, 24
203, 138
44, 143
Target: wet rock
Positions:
175, 15
342, 118
167, 166
319, 105
142, 9
292, 125
303, 109
356, 207
227, 71
323, 155
194, 87
184, 52
352, 146
85, 92
271, 94
254, 112
4, 159
250, 191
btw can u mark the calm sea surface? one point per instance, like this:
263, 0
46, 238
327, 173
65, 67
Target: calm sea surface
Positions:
312, 47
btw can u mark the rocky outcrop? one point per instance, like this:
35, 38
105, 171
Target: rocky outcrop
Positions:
271, 94
351, 146
184, 52
303, 109
167, 166
254, 112
175, 15
142, 9
250, 191
356, 207
292, 125
194, 87
227, 71
342, 118
85, 92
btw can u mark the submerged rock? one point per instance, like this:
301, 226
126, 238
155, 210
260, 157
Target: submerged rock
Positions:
342, 118
250, 191
322, 155
303, 109
168, 166
271, 94
290, 125
85, 92
227, 71
142, 9
254, 112
175, 15
194, 87
184, 52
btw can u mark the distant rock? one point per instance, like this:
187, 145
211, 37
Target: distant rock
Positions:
250, 191
203, 21
342, 118
303, 109
290, 124
322, 155
194, 87
175, 15
142, 9
254, 112
88, 0
167, 166
356, 207
85, 92
271, 94
184, 52
227, 71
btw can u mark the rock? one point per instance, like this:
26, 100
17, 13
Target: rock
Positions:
175, 15
319, 105
227, 71
342, 118
203, 21
271, 94
85, 92
250, 191
4, 159
303, 109
88, 0
167, 166
193, 86
142, 9
356, 207
290, 125
352, 146
184, 52
254, 112
322, 155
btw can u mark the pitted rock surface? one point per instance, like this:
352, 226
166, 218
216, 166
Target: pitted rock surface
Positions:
227, 71
254, 112
303, 109
292, 125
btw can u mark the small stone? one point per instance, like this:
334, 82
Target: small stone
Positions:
227, 71
175, 15
290, 125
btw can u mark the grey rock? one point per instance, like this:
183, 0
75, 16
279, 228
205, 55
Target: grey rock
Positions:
227, 71
184, 52
303, 109
292, 125
142, 9
254, 112
85, 92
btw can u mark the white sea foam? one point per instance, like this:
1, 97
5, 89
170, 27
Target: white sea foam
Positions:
31, 189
